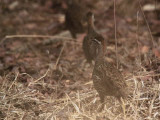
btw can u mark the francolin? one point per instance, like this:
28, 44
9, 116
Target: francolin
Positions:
107, 79
75, 17
88, 48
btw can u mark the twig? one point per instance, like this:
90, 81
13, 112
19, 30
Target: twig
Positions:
13, 81
115, 25
41, 76
138, 36
55, 67
50, 39
74, 105
156, 12
151, 105
123, 108
2, 40
140, 6
36, 36
77, 108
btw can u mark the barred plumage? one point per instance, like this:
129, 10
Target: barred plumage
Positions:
89, 48
107, 79
75, 17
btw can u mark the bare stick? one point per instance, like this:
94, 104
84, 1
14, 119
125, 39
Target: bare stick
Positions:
41, 77
115, 25
140, 6
36, 36
50, 39
152, 105
138, 36
156, 12
55, 67
15, 79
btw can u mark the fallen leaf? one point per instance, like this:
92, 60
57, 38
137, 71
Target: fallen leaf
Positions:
156, 52
145, 49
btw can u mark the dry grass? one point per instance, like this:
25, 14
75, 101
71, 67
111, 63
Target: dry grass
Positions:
20, 101
62, 88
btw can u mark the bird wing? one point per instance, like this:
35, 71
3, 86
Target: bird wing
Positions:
86, 48
113, 76
76, 14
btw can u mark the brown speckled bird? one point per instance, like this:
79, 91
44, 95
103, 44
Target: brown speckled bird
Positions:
88, 48
75, 17
107, 79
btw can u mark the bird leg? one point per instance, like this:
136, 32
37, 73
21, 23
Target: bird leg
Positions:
102, 103
121, 101
73, 35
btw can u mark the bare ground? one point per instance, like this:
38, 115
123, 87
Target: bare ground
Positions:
44, 75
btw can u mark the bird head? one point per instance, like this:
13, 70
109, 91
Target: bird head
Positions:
90, 18
72, 2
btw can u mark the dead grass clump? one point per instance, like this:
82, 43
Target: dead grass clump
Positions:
19, 101
45, 77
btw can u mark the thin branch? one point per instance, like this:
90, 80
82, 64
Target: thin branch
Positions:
139, 55
41, 77
3, 40
37, 36
152, 104
115, 25
15, 79
156, 12
55, 67
49, 40
140, 6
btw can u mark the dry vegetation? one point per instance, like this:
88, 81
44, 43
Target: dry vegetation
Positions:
45, 77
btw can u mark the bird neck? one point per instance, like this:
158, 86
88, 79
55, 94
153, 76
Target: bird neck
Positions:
72, 2
104, 46
91, 27
100, 55
99, 60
